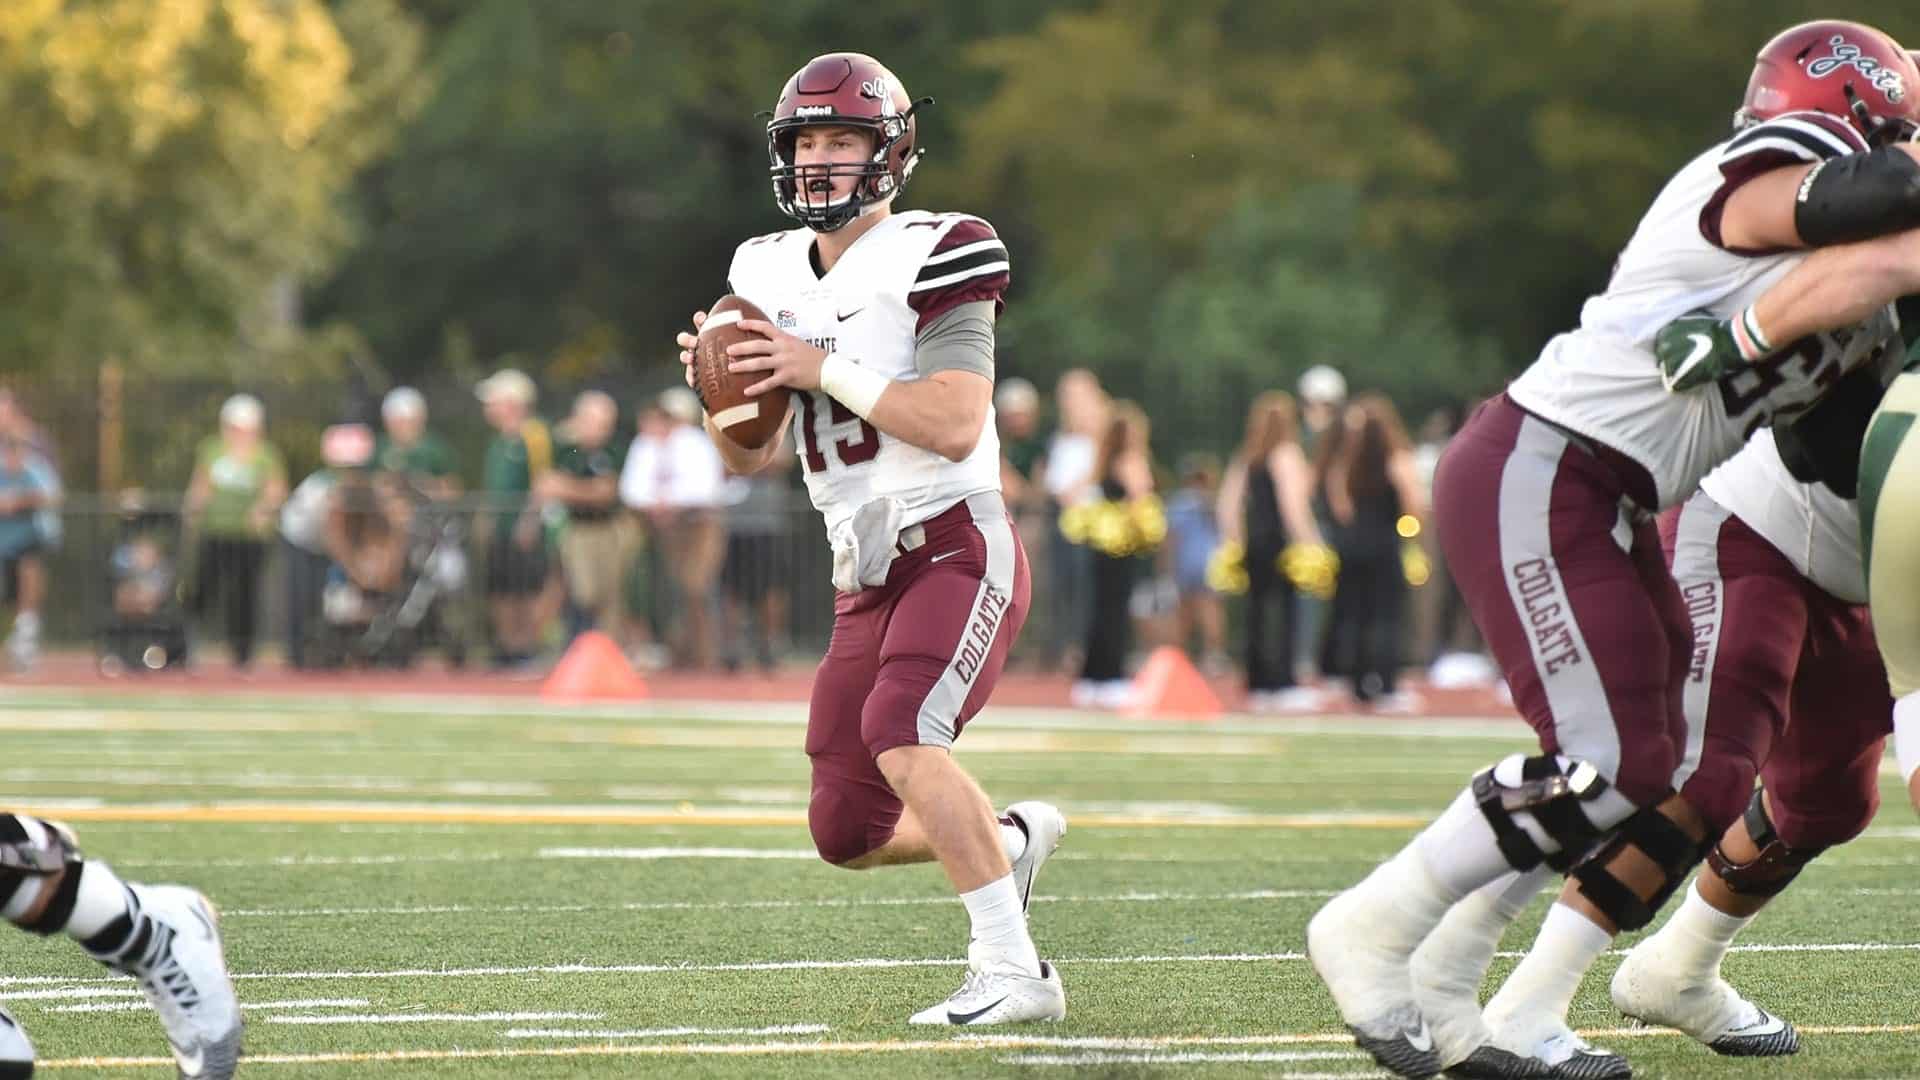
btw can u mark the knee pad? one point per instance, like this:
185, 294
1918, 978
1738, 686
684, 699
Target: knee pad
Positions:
847, 820
1719, 788
1768, 872
31, 848
1553, 794
1656, 837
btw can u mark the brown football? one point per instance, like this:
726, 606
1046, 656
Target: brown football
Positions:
750, 422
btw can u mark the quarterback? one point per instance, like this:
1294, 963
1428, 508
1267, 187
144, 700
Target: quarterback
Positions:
883, 340
1566, 470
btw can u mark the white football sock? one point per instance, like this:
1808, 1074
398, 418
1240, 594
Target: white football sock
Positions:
1696, 939
1450, 964
1547, 977
1013, 838
101, 900
1000, 935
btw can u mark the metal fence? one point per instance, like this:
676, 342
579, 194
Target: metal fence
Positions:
388, 591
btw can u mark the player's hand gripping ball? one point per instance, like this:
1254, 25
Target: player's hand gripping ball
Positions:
751, 422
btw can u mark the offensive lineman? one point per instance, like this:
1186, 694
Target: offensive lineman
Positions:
884, 339
1565, 470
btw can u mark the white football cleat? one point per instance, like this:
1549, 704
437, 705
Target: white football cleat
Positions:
998, 995
1711, 1011
16, 1053
1548, 1039
174, 953
1371, 984
1044, 825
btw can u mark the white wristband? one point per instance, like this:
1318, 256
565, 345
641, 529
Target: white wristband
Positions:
1906, 735
846, 382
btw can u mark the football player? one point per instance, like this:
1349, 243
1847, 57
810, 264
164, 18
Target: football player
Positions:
1564, 471
1778, 624
164, 936
882, 341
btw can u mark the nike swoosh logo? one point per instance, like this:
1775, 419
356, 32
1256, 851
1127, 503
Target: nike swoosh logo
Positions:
851, 314
1419, 1038
957, 1019
1702, 345
947, 555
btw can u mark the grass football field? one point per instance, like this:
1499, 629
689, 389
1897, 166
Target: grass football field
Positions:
423, 888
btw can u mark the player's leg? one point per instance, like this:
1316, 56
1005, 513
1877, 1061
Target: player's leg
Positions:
164, 936
1569, 613
1630, 873
1747, 608
1890, 543
1822, 771
959, 603
856, 819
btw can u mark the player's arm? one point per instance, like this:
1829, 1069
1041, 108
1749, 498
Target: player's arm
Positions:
1834, 287
1809, 179
1843, 199
944, 410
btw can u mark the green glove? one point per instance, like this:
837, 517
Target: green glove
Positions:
1695, 350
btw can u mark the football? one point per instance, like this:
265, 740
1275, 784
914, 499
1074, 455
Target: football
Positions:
750, 422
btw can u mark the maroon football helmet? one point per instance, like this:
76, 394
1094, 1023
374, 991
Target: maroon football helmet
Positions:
1844, 69
843, 90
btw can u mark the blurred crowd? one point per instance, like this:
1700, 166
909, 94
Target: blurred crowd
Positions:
1306, 548
1301, 560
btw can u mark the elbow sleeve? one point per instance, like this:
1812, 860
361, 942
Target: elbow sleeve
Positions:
1858, 197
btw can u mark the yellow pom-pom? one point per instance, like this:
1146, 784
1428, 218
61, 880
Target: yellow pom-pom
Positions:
1314, 569
1227, 569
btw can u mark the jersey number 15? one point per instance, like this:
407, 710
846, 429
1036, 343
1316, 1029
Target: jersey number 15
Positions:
850, 451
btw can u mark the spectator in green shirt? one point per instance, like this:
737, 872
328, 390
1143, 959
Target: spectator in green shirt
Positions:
238, 484
585, 480
408, 450
517, 568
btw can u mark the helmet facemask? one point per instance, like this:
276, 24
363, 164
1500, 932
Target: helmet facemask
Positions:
801, 191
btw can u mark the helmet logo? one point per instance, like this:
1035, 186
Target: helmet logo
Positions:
875, 88
1848, 55
814, 110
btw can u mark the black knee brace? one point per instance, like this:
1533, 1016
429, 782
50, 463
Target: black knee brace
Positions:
1768, 872
1552, 798
1659, 839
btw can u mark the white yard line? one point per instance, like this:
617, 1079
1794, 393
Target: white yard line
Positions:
814, 1048
248, 1006
863, 963
664, 1033
769, 905
435, 1018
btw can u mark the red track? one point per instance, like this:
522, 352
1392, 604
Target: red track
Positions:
790, 684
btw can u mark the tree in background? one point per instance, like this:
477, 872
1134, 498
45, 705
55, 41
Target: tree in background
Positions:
170, 172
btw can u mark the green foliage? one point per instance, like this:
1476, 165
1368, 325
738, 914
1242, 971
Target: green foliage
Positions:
172, 171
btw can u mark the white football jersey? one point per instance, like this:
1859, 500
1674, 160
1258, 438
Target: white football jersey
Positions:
1602, 380
902, 274
1817, 530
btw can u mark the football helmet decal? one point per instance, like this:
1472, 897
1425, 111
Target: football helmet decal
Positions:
842, 90
1844, 69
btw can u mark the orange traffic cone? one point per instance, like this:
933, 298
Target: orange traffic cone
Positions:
593, 669
1169, 684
